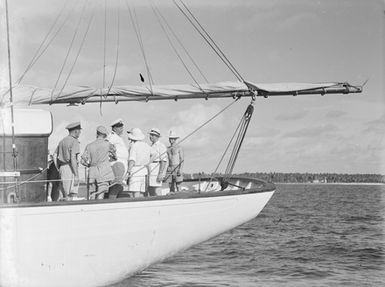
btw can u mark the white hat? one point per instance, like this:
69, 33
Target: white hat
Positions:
74, 126
117, 122
135, 134
173, 135
155, 131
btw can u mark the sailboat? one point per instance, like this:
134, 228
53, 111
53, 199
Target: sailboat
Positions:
99, 242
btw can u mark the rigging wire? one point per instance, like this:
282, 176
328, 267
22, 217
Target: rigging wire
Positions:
140, 42
224, 153
176, 51
78, 52
241, 131
53, 38
208, 39
69, 49
211, 39
182, 140
183, 46
104, 43
209, 120
35, 56
117, 52
142, 45
104, 56
28, 180
39, 52
241, 136
198, 128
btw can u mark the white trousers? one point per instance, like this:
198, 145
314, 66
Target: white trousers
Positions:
138, 179
68, 180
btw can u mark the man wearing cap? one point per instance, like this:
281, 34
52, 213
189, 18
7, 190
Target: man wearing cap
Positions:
158, 162
139, 158
96, 158
119, 165
66, 157
175, 154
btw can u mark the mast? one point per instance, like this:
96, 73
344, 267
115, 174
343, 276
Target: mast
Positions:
14, 151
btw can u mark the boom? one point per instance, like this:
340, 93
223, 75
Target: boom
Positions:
29, 95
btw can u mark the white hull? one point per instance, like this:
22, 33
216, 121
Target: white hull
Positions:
98, 244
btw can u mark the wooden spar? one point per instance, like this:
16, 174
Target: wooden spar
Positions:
14, 152
180, 92
322, 91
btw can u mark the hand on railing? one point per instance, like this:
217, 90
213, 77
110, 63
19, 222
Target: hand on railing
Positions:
159, 178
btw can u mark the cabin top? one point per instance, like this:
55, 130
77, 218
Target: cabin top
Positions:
28, 122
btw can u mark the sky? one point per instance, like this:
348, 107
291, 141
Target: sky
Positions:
267, 41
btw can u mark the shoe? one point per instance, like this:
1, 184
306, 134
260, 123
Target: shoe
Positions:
49, 199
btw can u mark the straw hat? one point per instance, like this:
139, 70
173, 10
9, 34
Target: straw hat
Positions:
135, 134
173, 135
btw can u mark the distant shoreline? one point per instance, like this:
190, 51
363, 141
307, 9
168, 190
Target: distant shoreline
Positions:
333, 183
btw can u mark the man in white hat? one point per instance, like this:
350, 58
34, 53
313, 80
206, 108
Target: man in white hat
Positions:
66, 158
139, 158
175, 154
119, 164
158, 162
96, 158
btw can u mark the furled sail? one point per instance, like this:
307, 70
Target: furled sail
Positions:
29, 95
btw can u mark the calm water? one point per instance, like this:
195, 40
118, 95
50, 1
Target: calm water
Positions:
308, 235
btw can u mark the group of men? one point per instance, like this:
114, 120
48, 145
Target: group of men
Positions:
111, 162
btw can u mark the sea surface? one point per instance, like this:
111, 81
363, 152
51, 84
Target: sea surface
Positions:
307, 235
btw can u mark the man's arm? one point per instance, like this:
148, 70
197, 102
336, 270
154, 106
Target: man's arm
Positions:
163, 159
74, 164
153, 154
131, 164
162, 165
75, 150
131, 160
181, 160
112, 152
85, 158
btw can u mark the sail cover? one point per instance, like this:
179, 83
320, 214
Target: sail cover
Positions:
29, 95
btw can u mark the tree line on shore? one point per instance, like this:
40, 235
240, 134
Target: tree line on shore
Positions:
306, 177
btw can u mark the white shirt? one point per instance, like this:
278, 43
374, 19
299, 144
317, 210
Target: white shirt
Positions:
140, 153
158, 152
120, 145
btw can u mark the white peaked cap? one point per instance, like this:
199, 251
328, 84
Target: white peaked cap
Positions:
155, 131
117, 122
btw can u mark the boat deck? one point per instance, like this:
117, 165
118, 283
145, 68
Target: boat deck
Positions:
190, 188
